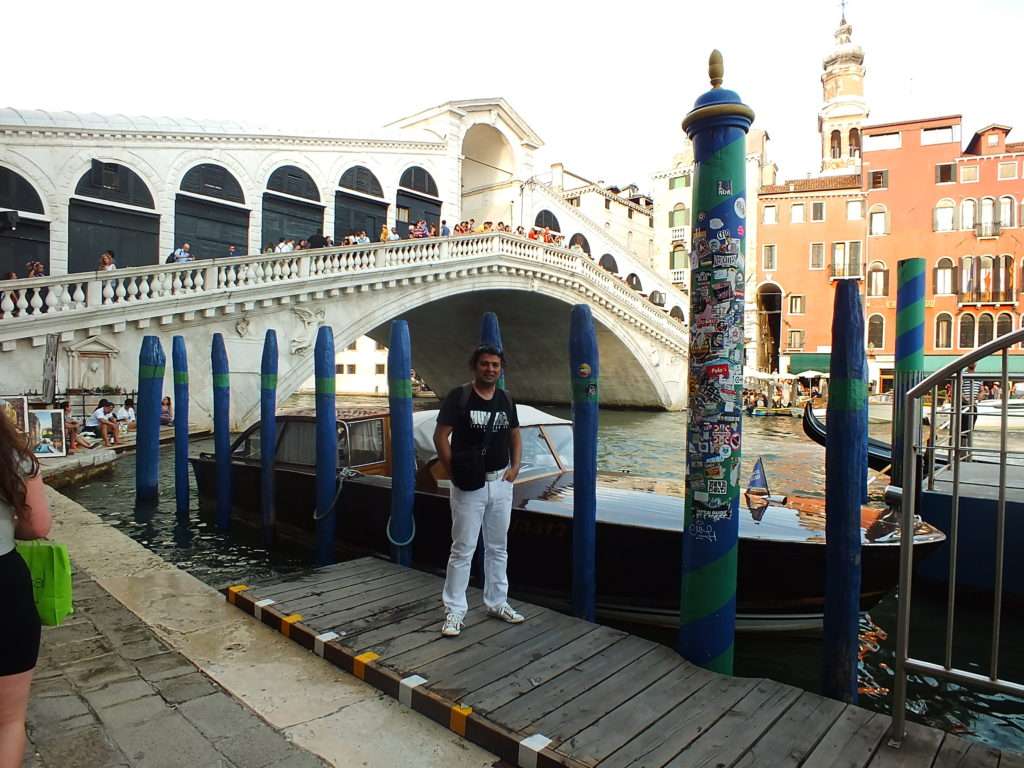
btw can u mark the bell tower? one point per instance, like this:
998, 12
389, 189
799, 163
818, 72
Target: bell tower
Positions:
843, 110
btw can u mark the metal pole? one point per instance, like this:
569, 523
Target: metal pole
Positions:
268, 431
847, 417
401, 526
584, 371
179, 360
326, 444
909, 350
717, 125
147, 435
222, 429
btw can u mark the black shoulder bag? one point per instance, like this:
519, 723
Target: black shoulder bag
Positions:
469, 467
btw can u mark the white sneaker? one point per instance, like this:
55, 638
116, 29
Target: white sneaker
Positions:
507, 613
452, 625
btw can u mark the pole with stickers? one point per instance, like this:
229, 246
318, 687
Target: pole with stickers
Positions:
717, 125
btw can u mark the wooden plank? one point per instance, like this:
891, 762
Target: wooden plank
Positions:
546, 698
430, 633
573, 716
795, 734
339, 618
347, 570
668, 736
618, 726
739, 728
457, 685
312, 601
920, 746
402, 620
851, 741
542, 670
361, 596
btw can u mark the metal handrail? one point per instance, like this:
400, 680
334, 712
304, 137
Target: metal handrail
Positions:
913, 445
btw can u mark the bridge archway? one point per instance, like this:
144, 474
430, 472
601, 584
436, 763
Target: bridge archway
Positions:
291, 206
581, 241
547, 219
633, 281
487, 159
608, 262
417, 199
211, 215
769, 321
25, 239
359, 204
677, 313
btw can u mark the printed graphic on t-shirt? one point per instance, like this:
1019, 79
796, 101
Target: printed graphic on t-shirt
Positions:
480, 419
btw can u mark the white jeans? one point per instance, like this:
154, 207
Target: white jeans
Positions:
489, 508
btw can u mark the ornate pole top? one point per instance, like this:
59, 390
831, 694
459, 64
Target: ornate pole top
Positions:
718, 106
716, 68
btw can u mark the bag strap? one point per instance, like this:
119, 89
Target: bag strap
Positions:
488, 433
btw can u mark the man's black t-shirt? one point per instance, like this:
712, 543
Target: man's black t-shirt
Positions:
469, 424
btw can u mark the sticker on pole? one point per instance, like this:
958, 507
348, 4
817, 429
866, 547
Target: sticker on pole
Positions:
584, 371
740, 206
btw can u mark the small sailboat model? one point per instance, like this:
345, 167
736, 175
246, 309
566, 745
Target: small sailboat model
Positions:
758, 495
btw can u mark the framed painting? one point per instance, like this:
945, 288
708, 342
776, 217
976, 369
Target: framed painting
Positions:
46, 433
15, 408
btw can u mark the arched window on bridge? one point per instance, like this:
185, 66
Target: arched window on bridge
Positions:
967, 328
23, 237
130, 228
580, 242
657, 298
876, 332
417, 200
359, 204
944, 331
633, 281
547, 219
210, 215
291, 206
677, 313
607, 261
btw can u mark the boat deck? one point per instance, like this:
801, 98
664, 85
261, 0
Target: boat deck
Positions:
980, 480
559, 691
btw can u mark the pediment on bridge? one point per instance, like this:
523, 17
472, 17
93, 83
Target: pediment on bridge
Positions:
96, 345
467, 111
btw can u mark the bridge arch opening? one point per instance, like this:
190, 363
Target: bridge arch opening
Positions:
677, 313
657, 298
130, 228
291, 206
633, 281
546, 218
769, 318
580, 242
211, 216
359, 204
417, 200
22, 239
607, 261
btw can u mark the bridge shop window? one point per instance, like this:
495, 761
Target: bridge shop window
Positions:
418, 193
291, 206
547, 219
359, 204
210, 217
23, 237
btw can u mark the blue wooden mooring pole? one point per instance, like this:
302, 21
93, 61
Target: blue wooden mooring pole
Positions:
268, 431
401, 526
584, 370
490, 335
221, 429
147, 436
326, 444
847, 417
179, 363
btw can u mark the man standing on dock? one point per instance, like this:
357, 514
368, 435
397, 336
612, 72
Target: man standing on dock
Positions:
482, 461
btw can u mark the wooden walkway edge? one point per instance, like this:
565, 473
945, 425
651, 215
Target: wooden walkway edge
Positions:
558, 691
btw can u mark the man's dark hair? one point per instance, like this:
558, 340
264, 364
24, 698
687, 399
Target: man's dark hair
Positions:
486, 349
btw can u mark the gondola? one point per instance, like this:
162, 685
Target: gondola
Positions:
879, 452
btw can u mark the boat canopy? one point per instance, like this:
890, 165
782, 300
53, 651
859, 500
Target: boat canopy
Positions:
423, 423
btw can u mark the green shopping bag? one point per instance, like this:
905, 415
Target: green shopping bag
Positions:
50, 567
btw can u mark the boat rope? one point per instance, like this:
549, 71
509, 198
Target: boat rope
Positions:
387, 530
343, 475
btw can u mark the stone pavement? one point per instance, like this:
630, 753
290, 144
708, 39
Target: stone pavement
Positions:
107, 692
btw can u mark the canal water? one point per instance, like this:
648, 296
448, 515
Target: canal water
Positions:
649, 444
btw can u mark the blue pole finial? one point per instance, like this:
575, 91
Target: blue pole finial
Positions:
222, 428
179, 359
490, 334
401, 527
147, 436
584, 372
268, 431
326, 444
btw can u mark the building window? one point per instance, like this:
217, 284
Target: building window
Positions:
650, 222
878, 220
679, 182
817, 211
769, 262
679, 216
795, 339
986, 328
968, 211
402, 214
835, 145
943, 277
944, 331
629, 213
574, 201
873, 143
846, 259
796, 213
942, 135
607, 203
350, 369
351, 346
945, 173
854, 210
966, 331
943, 216
854, 142
993, 139
380, 369
968, 174
339, 369
379, 345
966, 275
876, 332
679, 259
1004, 324
1004, 277
878, 180
1008, 170
769, 215
1007, 207
878, 279
797, 304
817, 256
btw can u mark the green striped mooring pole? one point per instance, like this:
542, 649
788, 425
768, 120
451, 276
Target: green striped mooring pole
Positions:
909, 350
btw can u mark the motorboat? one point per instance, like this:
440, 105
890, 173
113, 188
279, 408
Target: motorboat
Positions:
781, 578
990, 415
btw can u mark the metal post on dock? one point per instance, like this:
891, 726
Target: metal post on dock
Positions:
152, 362
910, 279
179, 363
584, 371
222, 429
401, 526
268, 431
490, 335
847, 416
717, 125
326, 444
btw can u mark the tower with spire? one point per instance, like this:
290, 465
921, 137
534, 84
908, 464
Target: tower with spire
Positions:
843, 110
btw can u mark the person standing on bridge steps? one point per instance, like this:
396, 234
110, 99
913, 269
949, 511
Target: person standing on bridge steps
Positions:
482, 461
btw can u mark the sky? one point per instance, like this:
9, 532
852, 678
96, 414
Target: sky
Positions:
604, 84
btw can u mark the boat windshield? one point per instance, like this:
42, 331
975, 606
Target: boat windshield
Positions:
537, 457
249, 446
560, 436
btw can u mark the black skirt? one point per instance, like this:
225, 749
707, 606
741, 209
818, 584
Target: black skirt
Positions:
19, 642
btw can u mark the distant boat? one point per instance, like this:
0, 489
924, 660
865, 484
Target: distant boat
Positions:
990, 416
879, 409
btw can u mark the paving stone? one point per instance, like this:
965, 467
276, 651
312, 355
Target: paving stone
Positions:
74, 652
168, 741
134, 712
163, 666
303, 759
47, 710
85, 589
119, 692
143, 649
56, 686
218, 716
84, 748
185, 688
256, 747
97, 672
68, 632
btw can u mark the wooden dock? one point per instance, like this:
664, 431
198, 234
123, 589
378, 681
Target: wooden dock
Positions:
558, 691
